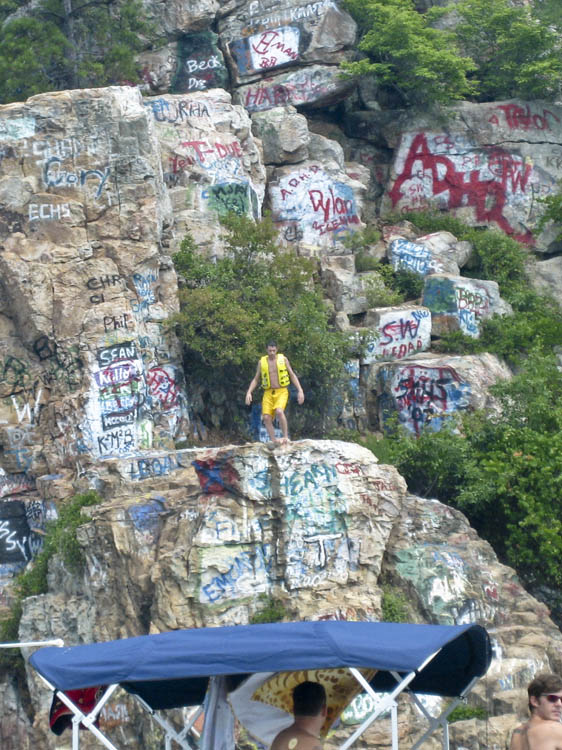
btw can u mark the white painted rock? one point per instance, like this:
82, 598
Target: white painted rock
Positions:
314, 208
261, 37
210, 161
418, 258
397, 333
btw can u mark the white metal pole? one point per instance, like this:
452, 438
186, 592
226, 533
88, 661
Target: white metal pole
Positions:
394, 720
31, 644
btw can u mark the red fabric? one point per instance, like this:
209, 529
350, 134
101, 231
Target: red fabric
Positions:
60, 716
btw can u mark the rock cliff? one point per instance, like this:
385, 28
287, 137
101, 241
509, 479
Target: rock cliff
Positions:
243, 109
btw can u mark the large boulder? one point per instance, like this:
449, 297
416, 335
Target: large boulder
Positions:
261, 36
89, 370
458, 303
488, 164
429, 391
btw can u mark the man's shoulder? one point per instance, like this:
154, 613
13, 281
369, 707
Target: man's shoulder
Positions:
295, 739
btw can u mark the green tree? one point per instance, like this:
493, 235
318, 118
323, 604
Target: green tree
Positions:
516, 54
406, 55
231, 307
552, 212
66, 44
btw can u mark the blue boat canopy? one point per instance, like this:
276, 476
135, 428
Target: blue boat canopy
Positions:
170, 670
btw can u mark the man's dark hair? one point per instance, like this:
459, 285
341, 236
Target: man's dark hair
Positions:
309, 698
271, 343
543, 683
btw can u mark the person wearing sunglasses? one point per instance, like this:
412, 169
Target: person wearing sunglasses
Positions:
543, 731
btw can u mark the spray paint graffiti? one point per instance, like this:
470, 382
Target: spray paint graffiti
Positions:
301, 87
323, 208
20, 525
242, 572
449, 171
519, 118
465, 300
319, 551
399, 334
174, 111
424, 397
266, 50
216, 476
200, 64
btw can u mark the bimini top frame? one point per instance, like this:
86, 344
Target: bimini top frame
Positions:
172, 670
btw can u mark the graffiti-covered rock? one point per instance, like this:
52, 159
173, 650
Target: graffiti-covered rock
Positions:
88, 370
489, 164
209, 536
200, 533
263, 36
456, 579
210, 161
201, 64
458, 303
430, 391
396, 333
313, 208
315, 86
418, 258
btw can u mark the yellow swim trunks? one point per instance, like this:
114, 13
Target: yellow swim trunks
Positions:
274, 398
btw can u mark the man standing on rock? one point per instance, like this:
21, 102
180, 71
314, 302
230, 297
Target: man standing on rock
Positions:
275, 374
543, 731
309, 709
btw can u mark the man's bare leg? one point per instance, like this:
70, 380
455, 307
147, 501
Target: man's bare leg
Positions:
268, 422
280, 414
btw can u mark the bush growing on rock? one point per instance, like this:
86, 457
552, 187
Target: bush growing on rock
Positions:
230, 308
495, 50
417, 63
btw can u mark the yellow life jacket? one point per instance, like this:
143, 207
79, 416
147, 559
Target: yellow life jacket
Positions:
282, 372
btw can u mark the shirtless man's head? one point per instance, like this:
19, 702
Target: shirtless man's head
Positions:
309, 709
543, 731
545, 686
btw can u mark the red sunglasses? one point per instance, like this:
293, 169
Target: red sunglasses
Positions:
552, 698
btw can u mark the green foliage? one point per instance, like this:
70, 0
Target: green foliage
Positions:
516, 55
464, 712
270, 610
433, 464
379, 294
386, 287
504, 472
536, 318
394, 606
60, 539
64, 44
230, 308
407, 283
405, 54
498, 50
552, 212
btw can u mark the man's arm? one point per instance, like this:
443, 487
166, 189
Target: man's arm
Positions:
295, 382
253, 385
